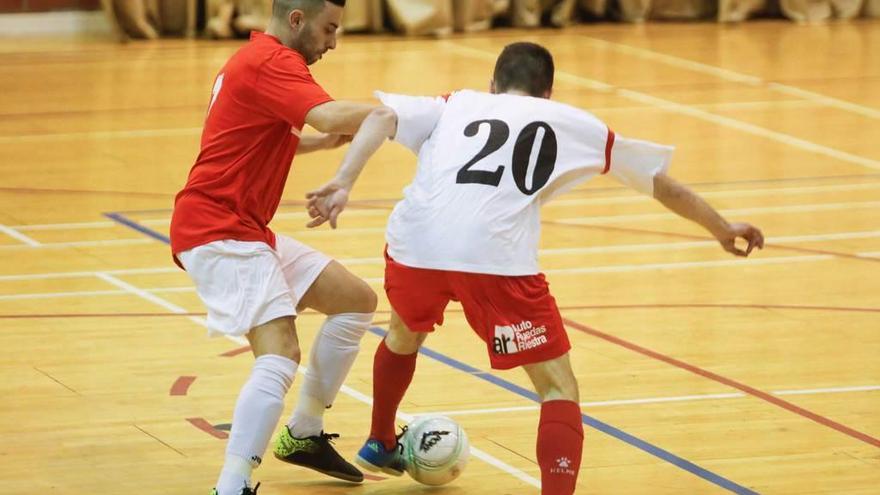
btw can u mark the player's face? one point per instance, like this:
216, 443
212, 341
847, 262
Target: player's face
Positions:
318, 33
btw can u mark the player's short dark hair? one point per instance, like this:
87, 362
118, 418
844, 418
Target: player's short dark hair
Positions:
526, 67
282, 8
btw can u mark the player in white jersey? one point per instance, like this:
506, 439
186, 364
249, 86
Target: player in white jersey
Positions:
468, 228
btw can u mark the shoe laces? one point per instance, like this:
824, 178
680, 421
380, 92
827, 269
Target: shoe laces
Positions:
399, 436
329, 437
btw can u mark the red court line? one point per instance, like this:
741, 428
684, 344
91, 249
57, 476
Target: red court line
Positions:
236, 352
208, 428
181, 385
726, 381
706, 238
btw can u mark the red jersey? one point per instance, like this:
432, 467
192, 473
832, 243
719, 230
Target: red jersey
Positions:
257, 111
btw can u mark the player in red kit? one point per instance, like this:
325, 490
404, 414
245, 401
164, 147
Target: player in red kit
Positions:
468, 228
254, 281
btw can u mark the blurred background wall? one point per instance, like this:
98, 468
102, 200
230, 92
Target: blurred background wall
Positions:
222, 19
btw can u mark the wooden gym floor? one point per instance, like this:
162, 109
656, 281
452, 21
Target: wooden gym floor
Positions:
699, 373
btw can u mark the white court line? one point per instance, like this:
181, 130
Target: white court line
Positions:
345, 389
832, 390
825, 100
556, 251
186, 131
125, 286
289, 215
479, 454
734, 193
745, 263
123, 292
85, 136
739, 77
679, 62
559, 271
61, 295
660, 400
319, 232
763, 105
688, 110
94, 293
763, 210
617, 248
835, 236
665, 246
107, 243
751, 129
127, 271
630, 198
18, 235
65, 226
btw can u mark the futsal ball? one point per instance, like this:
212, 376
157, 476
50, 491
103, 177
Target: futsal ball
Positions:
436, 450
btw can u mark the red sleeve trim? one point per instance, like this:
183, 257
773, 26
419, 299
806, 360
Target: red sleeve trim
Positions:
609, 143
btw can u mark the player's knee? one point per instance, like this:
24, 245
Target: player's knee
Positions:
288, 348
402, 340
554, 379
364, 299
371, 300
276, 337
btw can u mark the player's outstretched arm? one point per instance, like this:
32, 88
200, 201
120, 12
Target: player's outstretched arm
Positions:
327, 202
690, 205
338, 117
315, 142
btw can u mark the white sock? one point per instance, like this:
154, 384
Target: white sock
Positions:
235, 475
257, 410
333, 352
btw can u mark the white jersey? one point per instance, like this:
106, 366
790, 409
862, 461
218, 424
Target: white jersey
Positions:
486, 164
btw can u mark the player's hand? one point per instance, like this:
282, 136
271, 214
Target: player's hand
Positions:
746, 231
326, 203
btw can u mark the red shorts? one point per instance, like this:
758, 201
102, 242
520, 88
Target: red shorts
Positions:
515, 316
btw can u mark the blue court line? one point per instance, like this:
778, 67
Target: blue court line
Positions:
522, 392
141, 212
121, 219
587, 419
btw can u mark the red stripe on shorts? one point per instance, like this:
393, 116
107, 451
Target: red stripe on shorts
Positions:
609, 143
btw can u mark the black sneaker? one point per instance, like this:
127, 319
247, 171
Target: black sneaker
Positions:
244, 491
315, 453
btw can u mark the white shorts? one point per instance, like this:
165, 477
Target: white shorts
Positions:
246, 284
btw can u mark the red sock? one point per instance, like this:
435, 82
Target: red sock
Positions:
560, 443
392, 374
